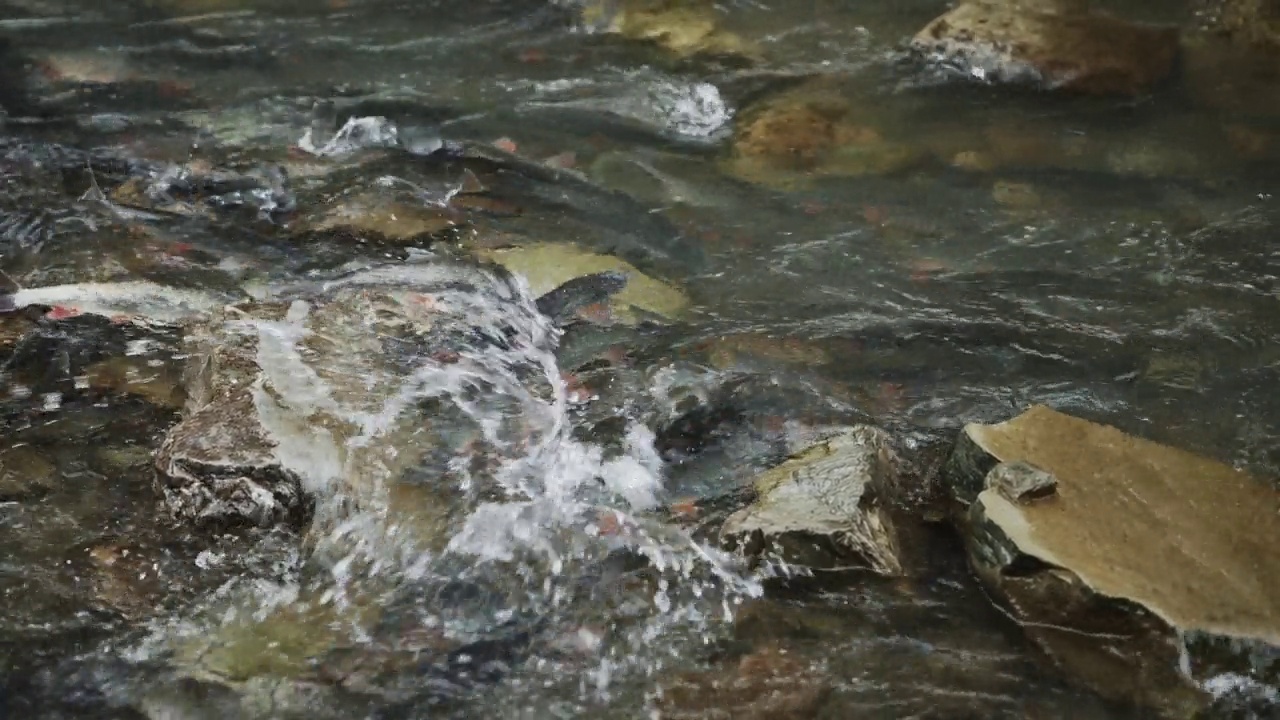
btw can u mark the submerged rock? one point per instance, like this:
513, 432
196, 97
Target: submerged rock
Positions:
25, 473
813, 131
372, 217
683, 27
835, 505
770, 683
1051, 45
1254, 23
1142, 569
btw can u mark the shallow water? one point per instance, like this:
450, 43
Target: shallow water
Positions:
1130, 280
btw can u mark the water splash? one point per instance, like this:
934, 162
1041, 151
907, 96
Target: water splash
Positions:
435, 434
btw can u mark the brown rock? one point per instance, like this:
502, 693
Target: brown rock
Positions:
1050, 46
683, 27
1253, 23
374, 218
767, 684
1142, 569
1231, 78
25, 472
131, 375
813, 132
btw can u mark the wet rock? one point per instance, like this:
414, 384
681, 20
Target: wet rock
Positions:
1237, 81
546, 266
835, 505
25, 473
375, 218
1254, 23
813, 131
125, 579
136, 376
683, 27
1049, 45
218, 464
568, 300
767, 683
1016, 195
739, 350
13, 327
1142, 569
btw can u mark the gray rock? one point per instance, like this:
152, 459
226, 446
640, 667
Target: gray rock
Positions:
1143, 570
831, 506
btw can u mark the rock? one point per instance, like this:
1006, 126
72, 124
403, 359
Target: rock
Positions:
1252, 23
769, 683
1016, 195
1142, 569
372, 217
738, 350
1235, 80
812, 131
12, 329
546, 266
219, 465
835, 505
25, 473
136, 376
1049, 46
683, 27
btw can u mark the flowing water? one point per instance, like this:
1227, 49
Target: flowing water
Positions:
486, 542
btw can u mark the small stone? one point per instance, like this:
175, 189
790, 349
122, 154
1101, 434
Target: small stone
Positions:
1021, 482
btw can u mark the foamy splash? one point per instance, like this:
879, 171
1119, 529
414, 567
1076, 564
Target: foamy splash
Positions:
527, 517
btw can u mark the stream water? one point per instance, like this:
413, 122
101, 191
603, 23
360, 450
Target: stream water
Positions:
565, 570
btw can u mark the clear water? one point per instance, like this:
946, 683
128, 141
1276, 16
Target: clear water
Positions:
1129, 279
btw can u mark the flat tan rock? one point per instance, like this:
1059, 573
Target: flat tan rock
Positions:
546, 266
1050, 45
1121, 556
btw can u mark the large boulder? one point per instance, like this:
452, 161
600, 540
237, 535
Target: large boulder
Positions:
1144, 570
837, 504
1051, 45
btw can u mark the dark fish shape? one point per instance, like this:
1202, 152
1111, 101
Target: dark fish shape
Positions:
562, 303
